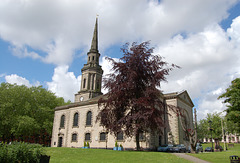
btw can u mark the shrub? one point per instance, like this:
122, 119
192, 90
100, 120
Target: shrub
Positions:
85, 144
121, 146
20, 152
88, 144
116, 144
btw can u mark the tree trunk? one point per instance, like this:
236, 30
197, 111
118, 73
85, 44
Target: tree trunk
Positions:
193, 144
4, 138
137, 141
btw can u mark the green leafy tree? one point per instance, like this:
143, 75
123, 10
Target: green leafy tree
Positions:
203, 129
26, 111
232, 99
230, 126
204, 126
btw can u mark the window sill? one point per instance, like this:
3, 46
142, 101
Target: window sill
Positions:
142, 140
120, 140
74, 141
102, 140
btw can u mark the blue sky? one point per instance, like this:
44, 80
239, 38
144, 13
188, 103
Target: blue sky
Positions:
46, 42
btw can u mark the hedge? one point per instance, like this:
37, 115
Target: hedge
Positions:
20, 152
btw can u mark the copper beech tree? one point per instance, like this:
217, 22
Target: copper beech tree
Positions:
133, 104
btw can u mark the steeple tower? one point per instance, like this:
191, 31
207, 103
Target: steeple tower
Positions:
91, 72
94, 46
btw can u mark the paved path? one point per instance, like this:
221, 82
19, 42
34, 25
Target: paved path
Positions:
190, 158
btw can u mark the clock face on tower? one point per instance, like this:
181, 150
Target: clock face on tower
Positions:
81, 98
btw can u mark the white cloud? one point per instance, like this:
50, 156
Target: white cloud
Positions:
210, 104
64, 84
23, 52
107, 69
209, 61
2, 75
234, 31
15, 79
58, 28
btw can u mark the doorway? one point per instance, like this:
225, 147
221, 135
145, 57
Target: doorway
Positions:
60, 139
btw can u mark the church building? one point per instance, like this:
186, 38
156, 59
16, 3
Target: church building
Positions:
76, 123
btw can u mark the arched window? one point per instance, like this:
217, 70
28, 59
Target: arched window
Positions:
74, 137
89, 118
75, 119
93, 58
62, 121
87, 137
120, 136
102, 136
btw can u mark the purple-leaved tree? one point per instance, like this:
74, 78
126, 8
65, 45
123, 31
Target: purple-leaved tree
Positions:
134, 104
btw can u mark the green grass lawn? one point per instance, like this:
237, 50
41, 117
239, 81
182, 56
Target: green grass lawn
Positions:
73, 155
218, 157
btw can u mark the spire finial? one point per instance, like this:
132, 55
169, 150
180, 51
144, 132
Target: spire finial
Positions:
94, 46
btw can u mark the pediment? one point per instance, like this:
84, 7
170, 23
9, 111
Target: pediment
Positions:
184, 96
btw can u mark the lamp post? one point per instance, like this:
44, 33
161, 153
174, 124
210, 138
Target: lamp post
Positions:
210, 124
223, 131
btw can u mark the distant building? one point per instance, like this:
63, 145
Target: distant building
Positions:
231, 138
75, 123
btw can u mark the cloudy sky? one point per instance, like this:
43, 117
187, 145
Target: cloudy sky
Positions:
46, 42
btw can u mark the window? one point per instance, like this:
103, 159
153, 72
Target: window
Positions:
74, 137
93, 78
93, 58
89, 118
87, 137
98, 84
88, 58
141, 136
119, 136
62, 121
159, 140
75, 119
102, 136
84, 83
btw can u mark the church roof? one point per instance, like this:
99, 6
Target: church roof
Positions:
82, 103
183, 95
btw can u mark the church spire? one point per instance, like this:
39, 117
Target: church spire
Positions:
94, 45
91, 72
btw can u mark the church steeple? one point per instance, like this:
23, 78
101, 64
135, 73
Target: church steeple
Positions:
93, 54
91, 72
94, 45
